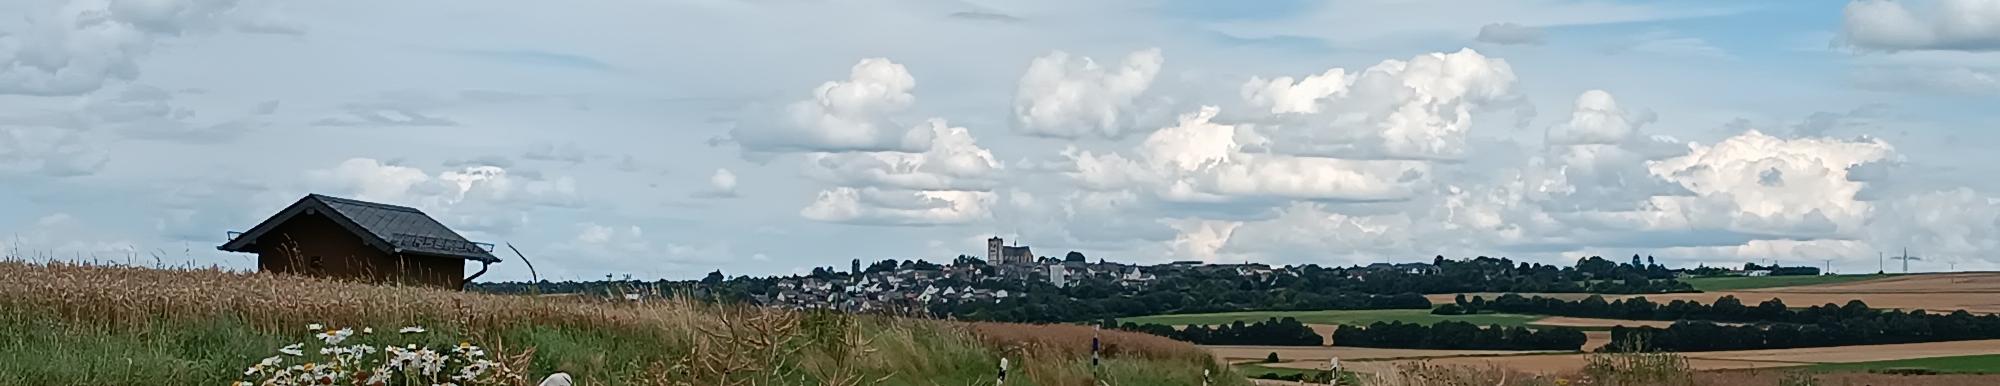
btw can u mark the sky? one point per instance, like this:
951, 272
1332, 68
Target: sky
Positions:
667, 139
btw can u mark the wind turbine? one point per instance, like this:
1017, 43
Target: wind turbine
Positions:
1906, 259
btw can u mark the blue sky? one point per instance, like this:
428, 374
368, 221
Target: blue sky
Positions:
668, 139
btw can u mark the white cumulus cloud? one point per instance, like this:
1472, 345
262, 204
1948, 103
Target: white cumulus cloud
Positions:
954, 161
1199, 160
1416, 109
485, 198
856, 114
1073, 97
77, 46
872, 206
1597, 120
1764, 183
721, 184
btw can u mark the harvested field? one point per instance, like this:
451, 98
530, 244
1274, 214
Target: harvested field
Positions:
1716, 360
1325, 331
1319, 355
1945, 292
1976, 302
1596, 340
1849, 354
1552, 364
1965, 282
1564, 321
1766, 378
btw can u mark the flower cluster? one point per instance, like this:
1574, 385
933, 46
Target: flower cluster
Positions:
345, 357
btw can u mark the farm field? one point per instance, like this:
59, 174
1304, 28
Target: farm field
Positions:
1724, 360
1335, 317
1971, 364
1318, 355
1852, 354
1729, 283
1594, 323
1977, 292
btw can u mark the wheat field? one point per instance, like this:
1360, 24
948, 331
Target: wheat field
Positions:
63, 323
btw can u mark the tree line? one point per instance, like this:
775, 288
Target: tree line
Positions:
1725, 309
1270, 332
1455, 335
1885, 328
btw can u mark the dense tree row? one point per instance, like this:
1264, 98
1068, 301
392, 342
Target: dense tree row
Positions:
1779, 270
1775, 270
1453, 335
1768, 325
1487, 274
1271, 332
1725, 309
1883, 328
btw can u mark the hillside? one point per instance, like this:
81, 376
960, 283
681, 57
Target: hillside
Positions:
104, 325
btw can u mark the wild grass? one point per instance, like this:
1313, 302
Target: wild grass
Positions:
1426, 374
1638, 369
66, 323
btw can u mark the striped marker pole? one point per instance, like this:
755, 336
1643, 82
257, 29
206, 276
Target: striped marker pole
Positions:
1093, 347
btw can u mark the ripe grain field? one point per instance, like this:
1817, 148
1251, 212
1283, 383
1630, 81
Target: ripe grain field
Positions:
110, 325
1977, 292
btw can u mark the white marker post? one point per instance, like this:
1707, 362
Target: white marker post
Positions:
1333, 370
1003, 371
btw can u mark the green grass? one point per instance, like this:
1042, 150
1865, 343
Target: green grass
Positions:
1973, 364
1728, 283
1335, 317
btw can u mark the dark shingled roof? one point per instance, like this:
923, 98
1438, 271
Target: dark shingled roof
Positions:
391, 228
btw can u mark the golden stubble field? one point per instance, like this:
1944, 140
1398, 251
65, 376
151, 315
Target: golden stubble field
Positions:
1372, 359
1975, 292
1945, 292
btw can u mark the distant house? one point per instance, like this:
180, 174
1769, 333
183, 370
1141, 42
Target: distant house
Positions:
357, 240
